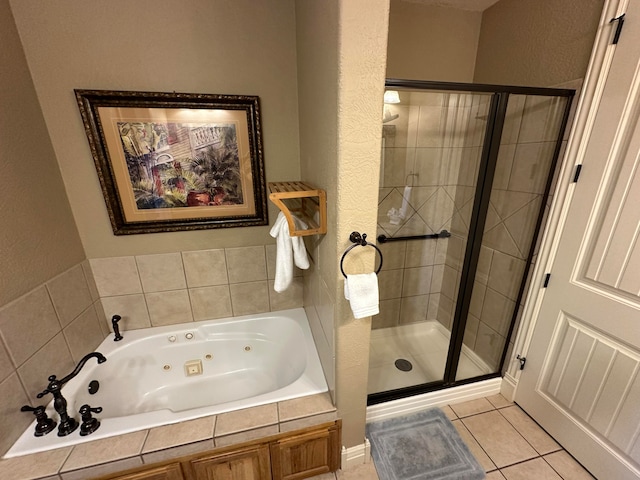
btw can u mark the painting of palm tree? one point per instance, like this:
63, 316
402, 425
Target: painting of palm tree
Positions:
174, 165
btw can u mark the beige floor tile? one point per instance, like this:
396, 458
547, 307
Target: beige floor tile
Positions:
448, 411
495, 475
472, 407
566, 466
504, 445
499, 401
365, 471
477, 451
530, 430
536, 469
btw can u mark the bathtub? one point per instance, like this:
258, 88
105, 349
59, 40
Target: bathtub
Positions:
162, 375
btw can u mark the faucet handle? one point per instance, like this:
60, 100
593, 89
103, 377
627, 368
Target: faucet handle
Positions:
44, 424
89, 423
54, 384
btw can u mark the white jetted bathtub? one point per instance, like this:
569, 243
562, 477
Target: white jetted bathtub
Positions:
164, 375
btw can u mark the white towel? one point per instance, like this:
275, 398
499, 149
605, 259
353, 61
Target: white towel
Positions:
288, 250
362, 292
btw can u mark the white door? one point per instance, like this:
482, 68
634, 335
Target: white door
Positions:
581, 380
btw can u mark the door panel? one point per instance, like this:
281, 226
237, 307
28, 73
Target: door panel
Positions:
581, 380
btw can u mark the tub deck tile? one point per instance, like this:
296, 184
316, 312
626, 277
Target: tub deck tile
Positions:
305, 406
105, 450
246, 436
168, 436
178, 451
36, 465
246, 419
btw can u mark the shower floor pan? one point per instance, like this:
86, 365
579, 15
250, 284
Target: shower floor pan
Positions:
425, 346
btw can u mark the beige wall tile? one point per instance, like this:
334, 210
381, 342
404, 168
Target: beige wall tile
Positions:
477, 299
416, 281
390, 284
504, 165
489, 345
414, 309
132, 309
394, 254
505, 273
436, 278
471, 331
246, 264
6, 365
162, 272
205, 268
52, 359
12, 421
28, 323
116, 276
210, 302
497, 311
91, 283
531, 167
249, 298
271, 252
36, 465
169, 308
389, 315
420, 253
84, 334
69, 294
290, 298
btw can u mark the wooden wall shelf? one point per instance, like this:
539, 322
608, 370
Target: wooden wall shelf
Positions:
307, 203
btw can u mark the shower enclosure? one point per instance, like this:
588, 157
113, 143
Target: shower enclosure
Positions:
466, 173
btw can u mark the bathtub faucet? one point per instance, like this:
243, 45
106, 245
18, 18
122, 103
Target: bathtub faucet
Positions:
116, 328
67, 424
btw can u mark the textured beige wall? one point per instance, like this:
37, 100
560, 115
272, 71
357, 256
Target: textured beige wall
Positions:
540, 43
38, 237
427, 42
341, 65
201, 46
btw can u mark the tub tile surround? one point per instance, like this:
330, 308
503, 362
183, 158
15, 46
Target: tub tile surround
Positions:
104, 456
60, 321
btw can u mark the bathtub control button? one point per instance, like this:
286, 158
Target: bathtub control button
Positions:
193, 367
172, 338
188, 336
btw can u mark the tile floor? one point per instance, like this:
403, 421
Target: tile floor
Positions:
506, 442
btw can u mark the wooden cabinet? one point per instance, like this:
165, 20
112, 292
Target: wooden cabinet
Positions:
247, 464
173, 471
287, 456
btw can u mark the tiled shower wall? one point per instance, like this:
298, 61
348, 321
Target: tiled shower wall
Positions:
433, 146
439, 138
50, 328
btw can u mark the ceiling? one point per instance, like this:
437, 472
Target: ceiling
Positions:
473, 5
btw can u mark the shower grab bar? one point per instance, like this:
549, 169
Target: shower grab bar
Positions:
442, 234
359, 240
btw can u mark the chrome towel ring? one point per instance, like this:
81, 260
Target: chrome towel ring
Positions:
359, 240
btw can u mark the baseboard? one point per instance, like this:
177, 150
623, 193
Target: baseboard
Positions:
355, 455
508, 387
438, 398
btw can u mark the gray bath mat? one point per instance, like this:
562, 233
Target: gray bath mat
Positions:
421, 446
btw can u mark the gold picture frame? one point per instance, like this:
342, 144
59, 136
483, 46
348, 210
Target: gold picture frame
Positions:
176, 161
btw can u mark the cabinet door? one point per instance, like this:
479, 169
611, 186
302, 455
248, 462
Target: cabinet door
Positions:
306, 455
166, 472
247, 464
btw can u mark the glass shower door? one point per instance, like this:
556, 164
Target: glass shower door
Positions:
432, 145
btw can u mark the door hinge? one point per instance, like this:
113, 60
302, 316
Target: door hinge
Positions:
577, 174
522, 360
620, 20
547, 277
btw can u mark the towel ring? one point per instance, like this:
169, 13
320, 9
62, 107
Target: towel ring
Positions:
359, 240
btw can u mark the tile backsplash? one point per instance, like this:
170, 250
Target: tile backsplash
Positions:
49, 329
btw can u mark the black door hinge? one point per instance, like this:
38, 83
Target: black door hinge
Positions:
523, 360
547, 277
620, 20
577, 174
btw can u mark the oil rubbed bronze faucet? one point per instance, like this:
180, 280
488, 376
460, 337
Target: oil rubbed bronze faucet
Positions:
116, 329
67, 424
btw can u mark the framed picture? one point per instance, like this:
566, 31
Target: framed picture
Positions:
176, 161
